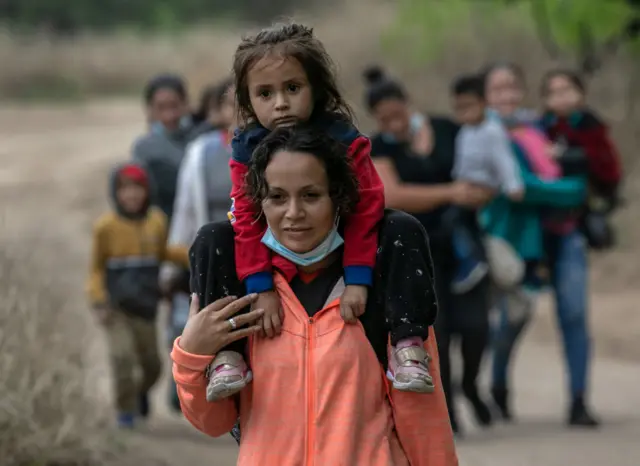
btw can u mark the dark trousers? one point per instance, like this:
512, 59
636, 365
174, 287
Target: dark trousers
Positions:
401, 302
465, 317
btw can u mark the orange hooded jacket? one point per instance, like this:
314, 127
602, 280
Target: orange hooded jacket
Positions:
319, 397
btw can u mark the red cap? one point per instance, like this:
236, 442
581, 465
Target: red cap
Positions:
134, 173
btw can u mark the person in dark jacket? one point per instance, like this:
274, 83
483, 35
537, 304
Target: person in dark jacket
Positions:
161, 150
129, 243
584, 147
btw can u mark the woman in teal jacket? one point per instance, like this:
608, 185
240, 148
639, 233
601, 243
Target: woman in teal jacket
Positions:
520, 223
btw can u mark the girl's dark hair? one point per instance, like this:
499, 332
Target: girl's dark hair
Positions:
380, 88
165, 81
573, 77
515, 69
343, 184
297, 41
213, 93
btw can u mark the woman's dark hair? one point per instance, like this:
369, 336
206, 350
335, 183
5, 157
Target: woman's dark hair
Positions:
380, 88
572, 76
165, 81
343, 184
515, 69
214, 93
295, 41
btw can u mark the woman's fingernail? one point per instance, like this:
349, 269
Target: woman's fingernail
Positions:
260, 311
253, 295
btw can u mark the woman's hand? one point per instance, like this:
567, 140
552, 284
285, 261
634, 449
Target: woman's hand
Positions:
470, 195
210, 330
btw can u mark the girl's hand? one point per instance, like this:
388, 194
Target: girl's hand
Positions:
210, 330
353, 302
271, 321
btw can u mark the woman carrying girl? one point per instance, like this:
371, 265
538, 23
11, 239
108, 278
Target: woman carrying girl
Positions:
284, 77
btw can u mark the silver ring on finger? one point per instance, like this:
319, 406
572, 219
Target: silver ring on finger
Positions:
232, 323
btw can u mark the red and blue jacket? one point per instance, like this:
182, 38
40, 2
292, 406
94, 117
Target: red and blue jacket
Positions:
254, 261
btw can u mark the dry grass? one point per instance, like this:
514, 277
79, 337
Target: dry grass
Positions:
49, 412
46, 415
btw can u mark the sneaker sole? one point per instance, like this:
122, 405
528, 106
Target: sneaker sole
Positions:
414, 386
225, 390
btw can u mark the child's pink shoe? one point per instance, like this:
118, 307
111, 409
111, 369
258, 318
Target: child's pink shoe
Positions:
228, 373
409, 367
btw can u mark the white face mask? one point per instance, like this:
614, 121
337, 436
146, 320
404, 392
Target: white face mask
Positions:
332, 242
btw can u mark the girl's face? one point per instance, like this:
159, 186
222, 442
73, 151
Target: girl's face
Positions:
167, 107
504, 91
394, 117
279, 91
562, 96
298, 207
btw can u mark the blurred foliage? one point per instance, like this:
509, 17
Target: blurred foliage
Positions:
65, 17
585, 29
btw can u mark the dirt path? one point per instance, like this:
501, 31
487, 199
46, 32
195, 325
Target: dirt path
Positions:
56, 160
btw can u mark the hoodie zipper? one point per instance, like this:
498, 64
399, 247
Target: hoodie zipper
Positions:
311, 402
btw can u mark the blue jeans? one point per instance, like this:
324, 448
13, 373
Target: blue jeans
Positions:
567, 256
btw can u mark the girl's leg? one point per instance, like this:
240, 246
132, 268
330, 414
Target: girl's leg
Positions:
405, 267
402, 303
213, 268
213, 276
570, 282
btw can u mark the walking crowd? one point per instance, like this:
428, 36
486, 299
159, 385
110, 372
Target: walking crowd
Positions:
318, 277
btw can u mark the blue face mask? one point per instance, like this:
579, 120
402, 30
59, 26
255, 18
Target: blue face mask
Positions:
332, 242
417, 121
159, 128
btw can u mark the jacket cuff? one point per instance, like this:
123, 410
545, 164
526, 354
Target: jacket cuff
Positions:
358, 275
259, 282
194, 362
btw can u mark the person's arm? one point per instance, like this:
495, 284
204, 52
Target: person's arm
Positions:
183, 223
176, 253
361, 231
564, 192
604, 160
212, 418
427, 440
412, 198
96, 288
253, 259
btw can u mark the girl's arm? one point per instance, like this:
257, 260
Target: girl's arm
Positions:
253, 259
214, 419
361, 231
422, 421
412, 198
